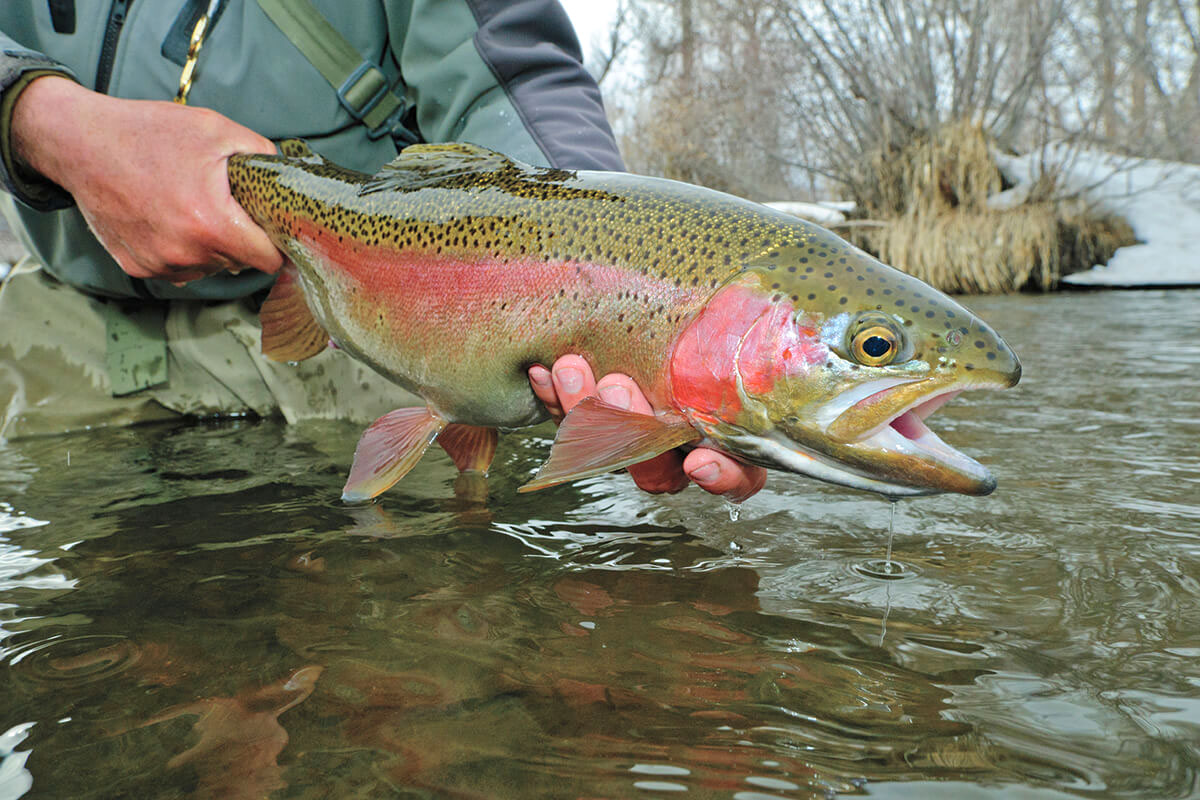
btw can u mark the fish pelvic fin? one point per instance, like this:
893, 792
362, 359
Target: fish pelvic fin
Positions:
597, 437
289, 330
470, 447
388, 449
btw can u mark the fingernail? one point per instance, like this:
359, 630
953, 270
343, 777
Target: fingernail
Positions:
570, 379
616, 396
706, 473
540, 376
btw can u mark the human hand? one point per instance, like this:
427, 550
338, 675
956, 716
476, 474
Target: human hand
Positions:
571, 379
148, 176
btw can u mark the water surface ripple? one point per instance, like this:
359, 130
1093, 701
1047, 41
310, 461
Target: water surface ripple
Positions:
189, 611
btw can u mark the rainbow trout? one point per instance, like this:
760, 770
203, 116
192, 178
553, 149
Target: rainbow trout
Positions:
455, 268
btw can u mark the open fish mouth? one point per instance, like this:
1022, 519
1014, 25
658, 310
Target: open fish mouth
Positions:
903, 449
897, 456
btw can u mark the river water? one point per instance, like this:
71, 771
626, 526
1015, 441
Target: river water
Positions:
189, 611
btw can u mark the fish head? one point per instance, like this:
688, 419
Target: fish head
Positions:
820, 360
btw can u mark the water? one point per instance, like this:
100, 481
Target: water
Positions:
189, 611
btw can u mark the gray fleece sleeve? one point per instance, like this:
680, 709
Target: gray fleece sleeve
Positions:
507, 75
531, 48
19, 66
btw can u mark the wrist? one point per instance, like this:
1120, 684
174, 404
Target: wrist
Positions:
41, 125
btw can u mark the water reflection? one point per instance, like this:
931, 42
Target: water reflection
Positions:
191, 612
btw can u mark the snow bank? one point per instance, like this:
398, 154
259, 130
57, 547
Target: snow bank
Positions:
1159, 199
820, 213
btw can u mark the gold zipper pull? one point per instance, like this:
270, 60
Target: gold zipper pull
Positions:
194, 45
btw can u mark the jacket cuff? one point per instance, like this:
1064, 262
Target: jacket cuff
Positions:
19, 68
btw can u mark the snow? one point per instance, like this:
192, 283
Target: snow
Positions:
1159, 199
821, 213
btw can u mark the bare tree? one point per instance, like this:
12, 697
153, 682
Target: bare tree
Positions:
759, 96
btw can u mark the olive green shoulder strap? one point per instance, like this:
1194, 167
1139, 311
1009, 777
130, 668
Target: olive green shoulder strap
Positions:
362, 87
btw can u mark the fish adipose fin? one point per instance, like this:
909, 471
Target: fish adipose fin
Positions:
289, 330
422, 165
470, 446
298, 148
597, 437
388, 450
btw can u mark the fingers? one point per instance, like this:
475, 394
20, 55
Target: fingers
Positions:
249, 246
718, 473
543, 388
561, 388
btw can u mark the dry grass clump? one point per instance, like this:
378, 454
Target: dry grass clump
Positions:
932, 174
933, 198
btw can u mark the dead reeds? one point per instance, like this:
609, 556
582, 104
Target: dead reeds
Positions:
932, 198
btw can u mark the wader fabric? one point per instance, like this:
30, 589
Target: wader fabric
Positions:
53, 376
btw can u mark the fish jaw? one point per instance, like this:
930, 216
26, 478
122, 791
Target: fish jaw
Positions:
901, 458
871, 433
772, 384
900, 448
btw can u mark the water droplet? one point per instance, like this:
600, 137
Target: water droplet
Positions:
734, 510
885, 569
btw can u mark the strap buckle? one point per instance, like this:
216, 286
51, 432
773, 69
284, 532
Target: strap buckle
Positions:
362, 91
367, 95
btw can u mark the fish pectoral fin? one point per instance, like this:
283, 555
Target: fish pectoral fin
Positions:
597, 437
421, 165
388, 449
289, 330
470, 447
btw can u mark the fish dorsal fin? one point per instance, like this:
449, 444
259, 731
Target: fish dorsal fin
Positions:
289, 330
597, 437
422, 165
388, 449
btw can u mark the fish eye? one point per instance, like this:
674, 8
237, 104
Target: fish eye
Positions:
875, 346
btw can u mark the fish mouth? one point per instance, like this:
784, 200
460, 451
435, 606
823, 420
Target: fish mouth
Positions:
892, 451
900, 447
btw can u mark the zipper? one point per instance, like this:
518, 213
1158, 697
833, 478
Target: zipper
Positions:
108, 52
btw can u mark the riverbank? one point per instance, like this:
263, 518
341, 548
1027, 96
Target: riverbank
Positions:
1159, 199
